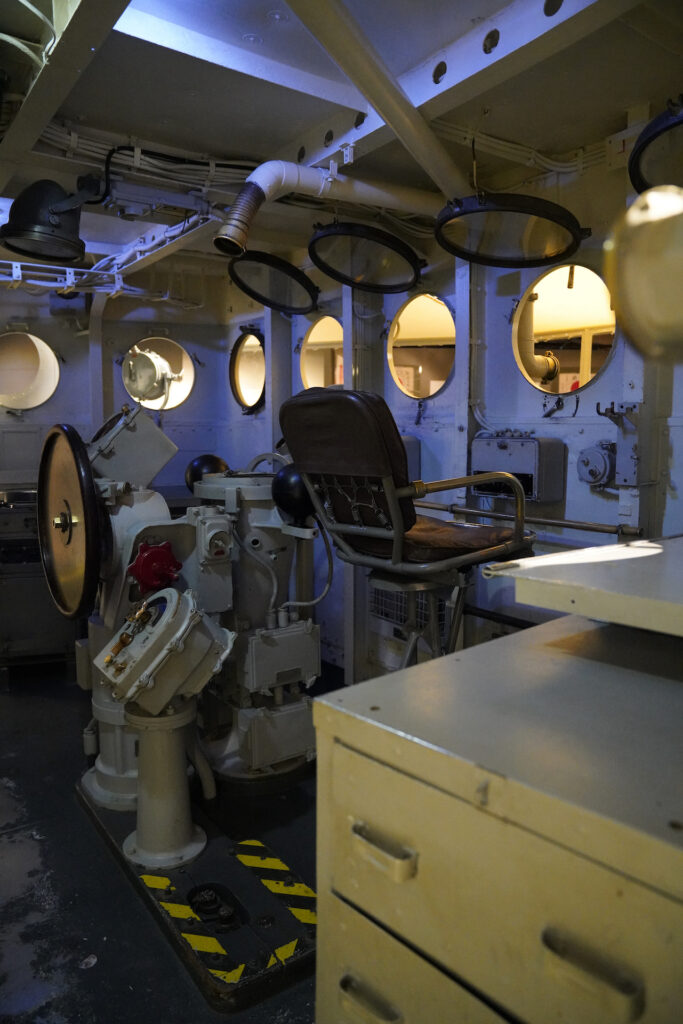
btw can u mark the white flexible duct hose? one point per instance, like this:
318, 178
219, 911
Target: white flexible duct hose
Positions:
277, 178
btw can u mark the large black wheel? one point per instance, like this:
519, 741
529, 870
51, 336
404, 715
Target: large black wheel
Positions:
72, 523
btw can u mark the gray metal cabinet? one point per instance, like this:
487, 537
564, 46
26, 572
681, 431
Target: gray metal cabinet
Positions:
30, 624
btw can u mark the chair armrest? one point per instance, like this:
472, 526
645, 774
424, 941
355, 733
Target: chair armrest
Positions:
418, 489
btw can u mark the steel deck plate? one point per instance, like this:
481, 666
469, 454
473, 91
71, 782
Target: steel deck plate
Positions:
243, 923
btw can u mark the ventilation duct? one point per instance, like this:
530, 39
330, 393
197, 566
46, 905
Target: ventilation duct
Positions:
278, 178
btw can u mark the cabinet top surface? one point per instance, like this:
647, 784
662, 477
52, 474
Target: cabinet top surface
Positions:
638, 584
586, 712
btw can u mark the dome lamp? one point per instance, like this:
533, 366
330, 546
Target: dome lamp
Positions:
44, 221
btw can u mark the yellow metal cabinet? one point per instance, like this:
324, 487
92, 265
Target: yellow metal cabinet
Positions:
501, 827
369, 976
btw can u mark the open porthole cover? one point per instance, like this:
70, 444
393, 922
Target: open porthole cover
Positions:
657, 156
73, 527
273, 282
250, 403
421, 346
563, 329
321, 362
29, 371
364, 257
508, 230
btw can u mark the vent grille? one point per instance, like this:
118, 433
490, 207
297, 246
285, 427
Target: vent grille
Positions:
392, 607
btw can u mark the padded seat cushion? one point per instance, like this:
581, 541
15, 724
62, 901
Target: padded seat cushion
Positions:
432, 540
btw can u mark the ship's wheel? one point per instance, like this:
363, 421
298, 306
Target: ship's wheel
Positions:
73, 527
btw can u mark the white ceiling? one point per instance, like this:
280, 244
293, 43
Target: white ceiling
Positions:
245, 79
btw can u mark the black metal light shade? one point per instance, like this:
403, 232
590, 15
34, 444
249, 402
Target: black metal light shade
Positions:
273, 282
364, 257
657, 156
507, 230
39, 226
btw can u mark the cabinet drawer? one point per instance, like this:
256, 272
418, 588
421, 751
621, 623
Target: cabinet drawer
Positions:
545, 933
365, 976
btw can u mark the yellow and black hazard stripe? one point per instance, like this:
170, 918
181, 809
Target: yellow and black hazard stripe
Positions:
279, 879
183, 916
202, 944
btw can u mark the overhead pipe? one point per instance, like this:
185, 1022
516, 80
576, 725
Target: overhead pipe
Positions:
341, 36
277, 178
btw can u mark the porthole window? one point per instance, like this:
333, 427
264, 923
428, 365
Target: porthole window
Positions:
421, 346
158, 373
563, 329
322, 354
29, 371
248, 371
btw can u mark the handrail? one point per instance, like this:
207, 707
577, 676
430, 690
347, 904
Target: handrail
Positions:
418, 489
566, 524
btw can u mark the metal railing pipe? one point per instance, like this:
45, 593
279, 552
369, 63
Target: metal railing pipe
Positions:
568, 524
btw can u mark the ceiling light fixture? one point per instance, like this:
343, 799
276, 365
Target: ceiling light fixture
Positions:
44, 220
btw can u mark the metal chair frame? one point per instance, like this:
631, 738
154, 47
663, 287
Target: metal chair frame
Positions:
395, 530
437, 573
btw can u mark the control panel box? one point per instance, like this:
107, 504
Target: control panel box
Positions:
537, 462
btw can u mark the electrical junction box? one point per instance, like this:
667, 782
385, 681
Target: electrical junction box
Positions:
278, 657
537, 462
167, 647
131, 447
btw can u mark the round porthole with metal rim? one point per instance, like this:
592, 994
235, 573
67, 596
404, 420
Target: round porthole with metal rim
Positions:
500, 230
248, 371
364, 257
273, 282
657, 156
73, 528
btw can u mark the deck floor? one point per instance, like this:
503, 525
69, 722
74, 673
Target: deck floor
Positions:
77, 945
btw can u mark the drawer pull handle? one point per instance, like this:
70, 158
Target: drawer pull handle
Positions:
363, 1004
620, 987
397, 861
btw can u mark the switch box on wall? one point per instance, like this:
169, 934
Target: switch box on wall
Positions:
537, 462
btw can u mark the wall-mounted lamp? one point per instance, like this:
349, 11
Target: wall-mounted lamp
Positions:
44, 220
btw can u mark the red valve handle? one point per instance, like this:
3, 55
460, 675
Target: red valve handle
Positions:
155, 566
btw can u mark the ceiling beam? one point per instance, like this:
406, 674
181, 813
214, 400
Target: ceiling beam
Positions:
152, 29
87, 28
525, 37
342, 37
